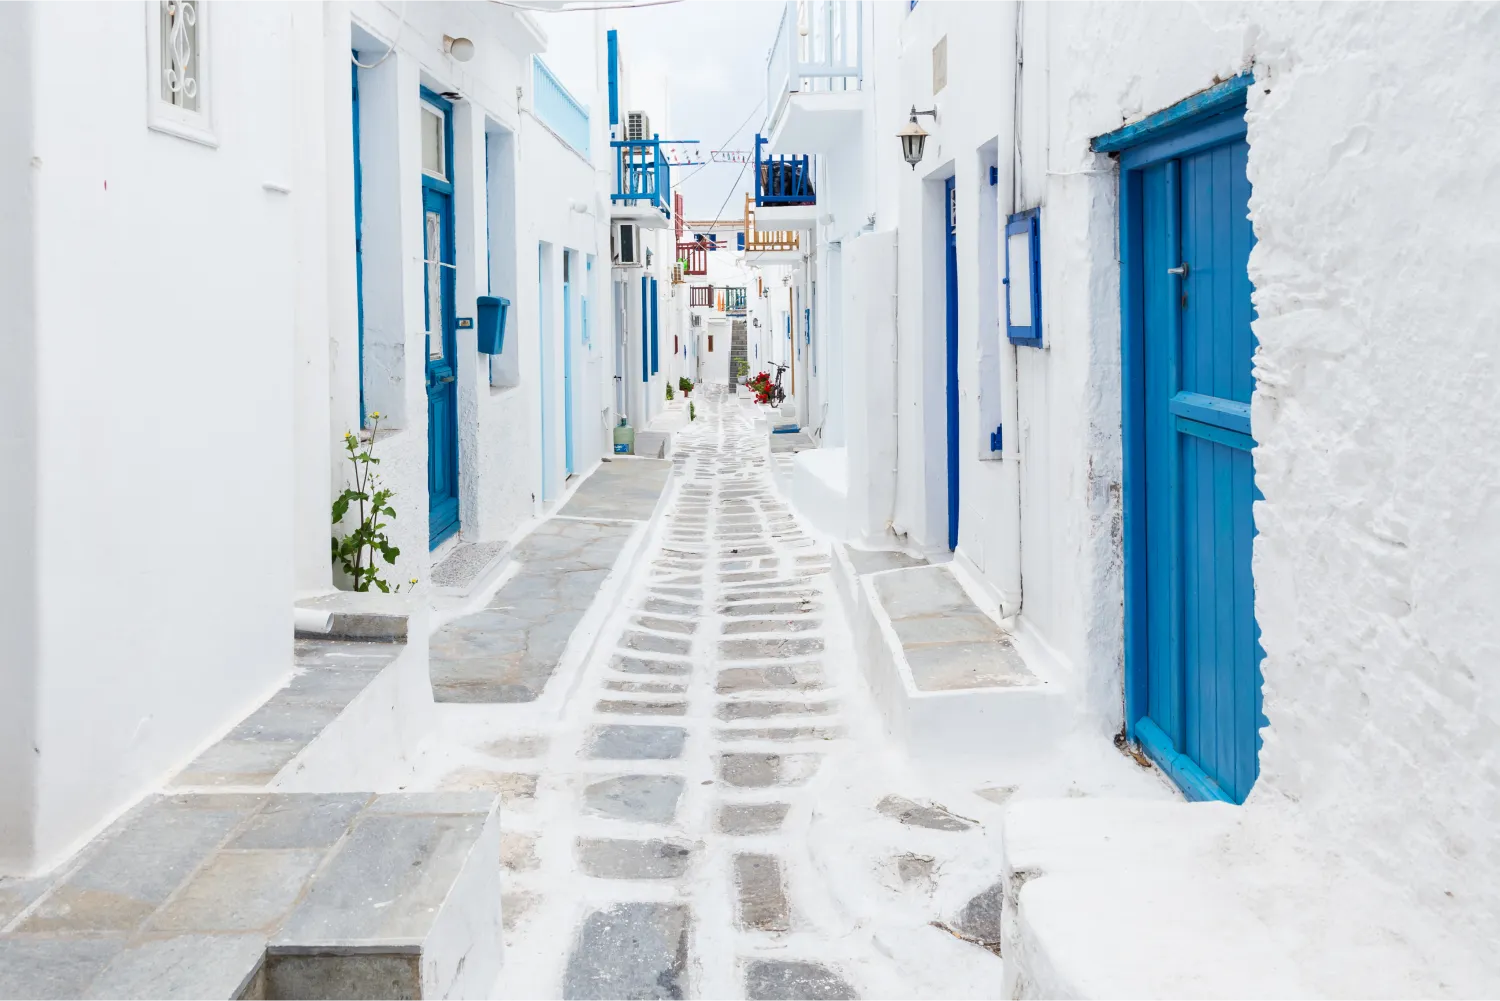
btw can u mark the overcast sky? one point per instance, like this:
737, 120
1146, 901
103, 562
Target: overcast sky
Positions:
712, 53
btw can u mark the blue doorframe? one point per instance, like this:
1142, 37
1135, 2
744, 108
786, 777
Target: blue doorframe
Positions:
1192, 650
359, 227
950, 358
438, 270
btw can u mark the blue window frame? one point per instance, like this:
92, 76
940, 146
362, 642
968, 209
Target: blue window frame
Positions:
655, 328
1023, 278
645, 329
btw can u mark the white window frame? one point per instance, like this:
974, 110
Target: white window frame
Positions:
163, 116
442, 116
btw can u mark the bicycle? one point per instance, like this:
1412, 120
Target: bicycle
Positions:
778, 395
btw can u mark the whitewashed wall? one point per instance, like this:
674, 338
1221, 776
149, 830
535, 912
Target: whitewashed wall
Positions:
148, 334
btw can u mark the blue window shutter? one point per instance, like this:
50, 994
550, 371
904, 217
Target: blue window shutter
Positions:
612, 43
645, 330
741, 240
655, 329
1023, 320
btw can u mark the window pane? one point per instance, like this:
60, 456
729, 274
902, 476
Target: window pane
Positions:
1019, 249
433, 160
434, 285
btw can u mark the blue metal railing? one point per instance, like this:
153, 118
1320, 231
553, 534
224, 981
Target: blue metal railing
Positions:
558, 109
734, 300
784, 179
642, 173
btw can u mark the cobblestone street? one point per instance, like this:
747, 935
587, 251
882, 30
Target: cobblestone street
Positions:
714, 812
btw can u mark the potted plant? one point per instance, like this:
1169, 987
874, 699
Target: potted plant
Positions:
685, 384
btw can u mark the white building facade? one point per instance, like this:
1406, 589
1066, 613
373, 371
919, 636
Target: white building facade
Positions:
1156, 377
311, 213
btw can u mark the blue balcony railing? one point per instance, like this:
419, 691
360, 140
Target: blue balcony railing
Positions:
558, 109
642, 174
819, 47
783, 179
734, 300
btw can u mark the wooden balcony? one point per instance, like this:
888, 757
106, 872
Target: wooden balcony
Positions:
784, 241
694, 257
700, 295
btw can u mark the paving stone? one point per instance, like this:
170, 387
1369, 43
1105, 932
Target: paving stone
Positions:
750, 818
913, 869
761, 575
301, 820
634, 950
768, 608
631, 707
517, 789
650, 799
765, 710
53, 967
931, 816
787, 733
762, 898
749, 770
772, 626
621, 489
997, 794
776, 980
514, 906
778, 677
619, 858
770, 649
645, 665
636, 743
980, 918
17, 894
516, 747
140, 861
733, 599
685, 628
239, 763
646, 687
239, 892
664, 607
518, 851
650, 643
182, 966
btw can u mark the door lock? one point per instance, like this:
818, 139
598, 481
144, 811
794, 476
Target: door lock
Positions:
445, 378
1181, 270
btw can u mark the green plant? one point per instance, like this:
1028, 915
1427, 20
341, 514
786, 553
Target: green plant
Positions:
692, 411
355, 553
685, 384
741, 368
669, 391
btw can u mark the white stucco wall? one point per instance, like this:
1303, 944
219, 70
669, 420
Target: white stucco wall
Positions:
156, 601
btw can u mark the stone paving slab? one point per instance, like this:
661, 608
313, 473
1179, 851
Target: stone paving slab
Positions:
509, 651
330, 676
948, 643
622, 488
633, 950
195, 895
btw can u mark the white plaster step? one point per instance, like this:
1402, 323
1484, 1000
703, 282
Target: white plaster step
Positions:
946, 675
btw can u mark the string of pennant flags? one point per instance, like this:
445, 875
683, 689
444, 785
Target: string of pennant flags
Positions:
679, 157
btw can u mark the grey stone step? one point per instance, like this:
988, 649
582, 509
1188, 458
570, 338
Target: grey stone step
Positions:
271, 895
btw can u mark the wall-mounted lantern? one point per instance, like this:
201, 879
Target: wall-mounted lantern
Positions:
914, 138
460, 49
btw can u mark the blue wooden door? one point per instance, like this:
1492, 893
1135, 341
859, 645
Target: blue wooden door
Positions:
951, 353
438, 270
1201, 708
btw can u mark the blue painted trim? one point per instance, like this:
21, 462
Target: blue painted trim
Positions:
950, 263
655, 328
359, 230
1219, 97
1228, 414
1218, 435
612, 44
645, 330
446, 106
994, 176
1181, 769
1133, 429
1029, 221
1188, 138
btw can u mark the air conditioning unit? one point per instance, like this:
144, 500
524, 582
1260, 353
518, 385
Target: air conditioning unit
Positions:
625, 245
637, 125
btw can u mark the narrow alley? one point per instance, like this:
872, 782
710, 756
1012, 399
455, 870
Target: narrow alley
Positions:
714, 812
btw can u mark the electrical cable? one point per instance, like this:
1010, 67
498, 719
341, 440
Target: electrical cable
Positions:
401, 24
515, 5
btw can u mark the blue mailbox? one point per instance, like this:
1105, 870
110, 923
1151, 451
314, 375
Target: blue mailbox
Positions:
490, 328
